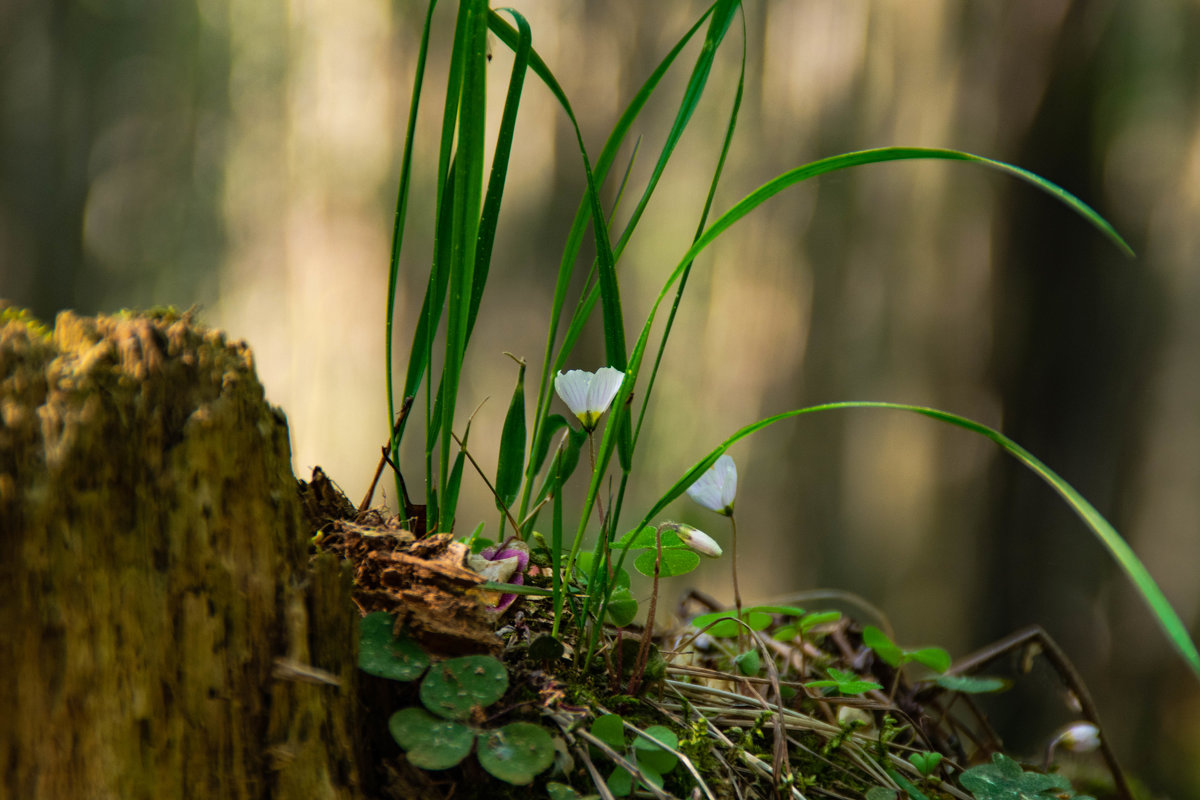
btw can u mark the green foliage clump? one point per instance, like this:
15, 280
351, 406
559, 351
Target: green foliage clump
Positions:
435, 737
1003, 779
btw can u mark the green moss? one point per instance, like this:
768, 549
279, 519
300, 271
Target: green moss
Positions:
164, 313
25, 317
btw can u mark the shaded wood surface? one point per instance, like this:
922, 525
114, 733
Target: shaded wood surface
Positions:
157, 593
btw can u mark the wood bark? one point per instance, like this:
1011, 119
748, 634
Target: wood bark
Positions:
158, 602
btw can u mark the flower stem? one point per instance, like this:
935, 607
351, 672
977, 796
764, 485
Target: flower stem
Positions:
639, 666
737, 595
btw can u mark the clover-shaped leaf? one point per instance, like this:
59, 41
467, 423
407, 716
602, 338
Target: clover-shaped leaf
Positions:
926, 763
726, 626
935, 658
845, 682
622, 607
454, 687
973, 684
388, 656
1003, 779
609, 729
650, 752
431, 743
583, 568
884, 647
561, 791
748, 662
804, 624
674, 562
620, 782
517, 752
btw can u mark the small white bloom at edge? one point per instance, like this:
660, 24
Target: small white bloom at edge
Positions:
717, 488
1082, 737
698, 540
588, 394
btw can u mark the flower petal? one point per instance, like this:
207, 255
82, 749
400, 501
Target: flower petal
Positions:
588, 395
605, 385
572, 387
716, 489
698, 540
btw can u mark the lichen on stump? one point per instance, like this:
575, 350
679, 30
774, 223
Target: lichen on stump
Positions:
157, 593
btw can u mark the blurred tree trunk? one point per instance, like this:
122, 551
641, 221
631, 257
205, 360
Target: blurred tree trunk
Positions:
1071, 376
158, 602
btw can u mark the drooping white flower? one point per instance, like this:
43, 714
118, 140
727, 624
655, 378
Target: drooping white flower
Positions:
588, 394
696, 539
1081, 737
717, 488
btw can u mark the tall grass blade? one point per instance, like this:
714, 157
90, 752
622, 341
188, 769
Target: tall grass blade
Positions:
760, 196
730, 127
551, 364
398, 237
495, 188
469, 160
1164, 614
511, 461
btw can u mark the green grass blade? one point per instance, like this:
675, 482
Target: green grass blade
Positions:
811, 170
730, 127
495, 188
721, 16
435, 297
556, 534
541, 448
719, 22
398, 233
511, 461
1170, 622
550, 364
469, 160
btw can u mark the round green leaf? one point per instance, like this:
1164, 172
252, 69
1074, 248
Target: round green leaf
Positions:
546, 648
385, 655
583, 569
786, 633
454, 687
884, 647
622, 608
926, 763
935, 658
819, 618
517, 752
674, 562
789, 611
620, 782
561, 791
971, 684
648, 537
747, 663
609, 729
430, 743
757, 620
654, 756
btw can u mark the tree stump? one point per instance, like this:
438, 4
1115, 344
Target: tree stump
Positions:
158, 608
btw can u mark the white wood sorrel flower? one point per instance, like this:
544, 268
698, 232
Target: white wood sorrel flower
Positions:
695, 538
717, 488
588, 394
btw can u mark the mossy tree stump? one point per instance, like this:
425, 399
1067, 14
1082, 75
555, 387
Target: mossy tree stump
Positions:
156, 594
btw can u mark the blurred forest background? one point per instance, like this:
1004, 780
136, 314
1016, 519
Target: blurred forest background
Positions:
242, 155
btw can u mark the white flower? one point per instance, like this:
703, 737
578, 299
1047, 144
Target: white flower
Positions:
716, 488
587, 394
696, 539
1082, 737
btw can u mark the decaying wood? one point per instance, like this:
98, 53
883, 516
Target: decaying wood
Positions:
155, 576
422, 581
